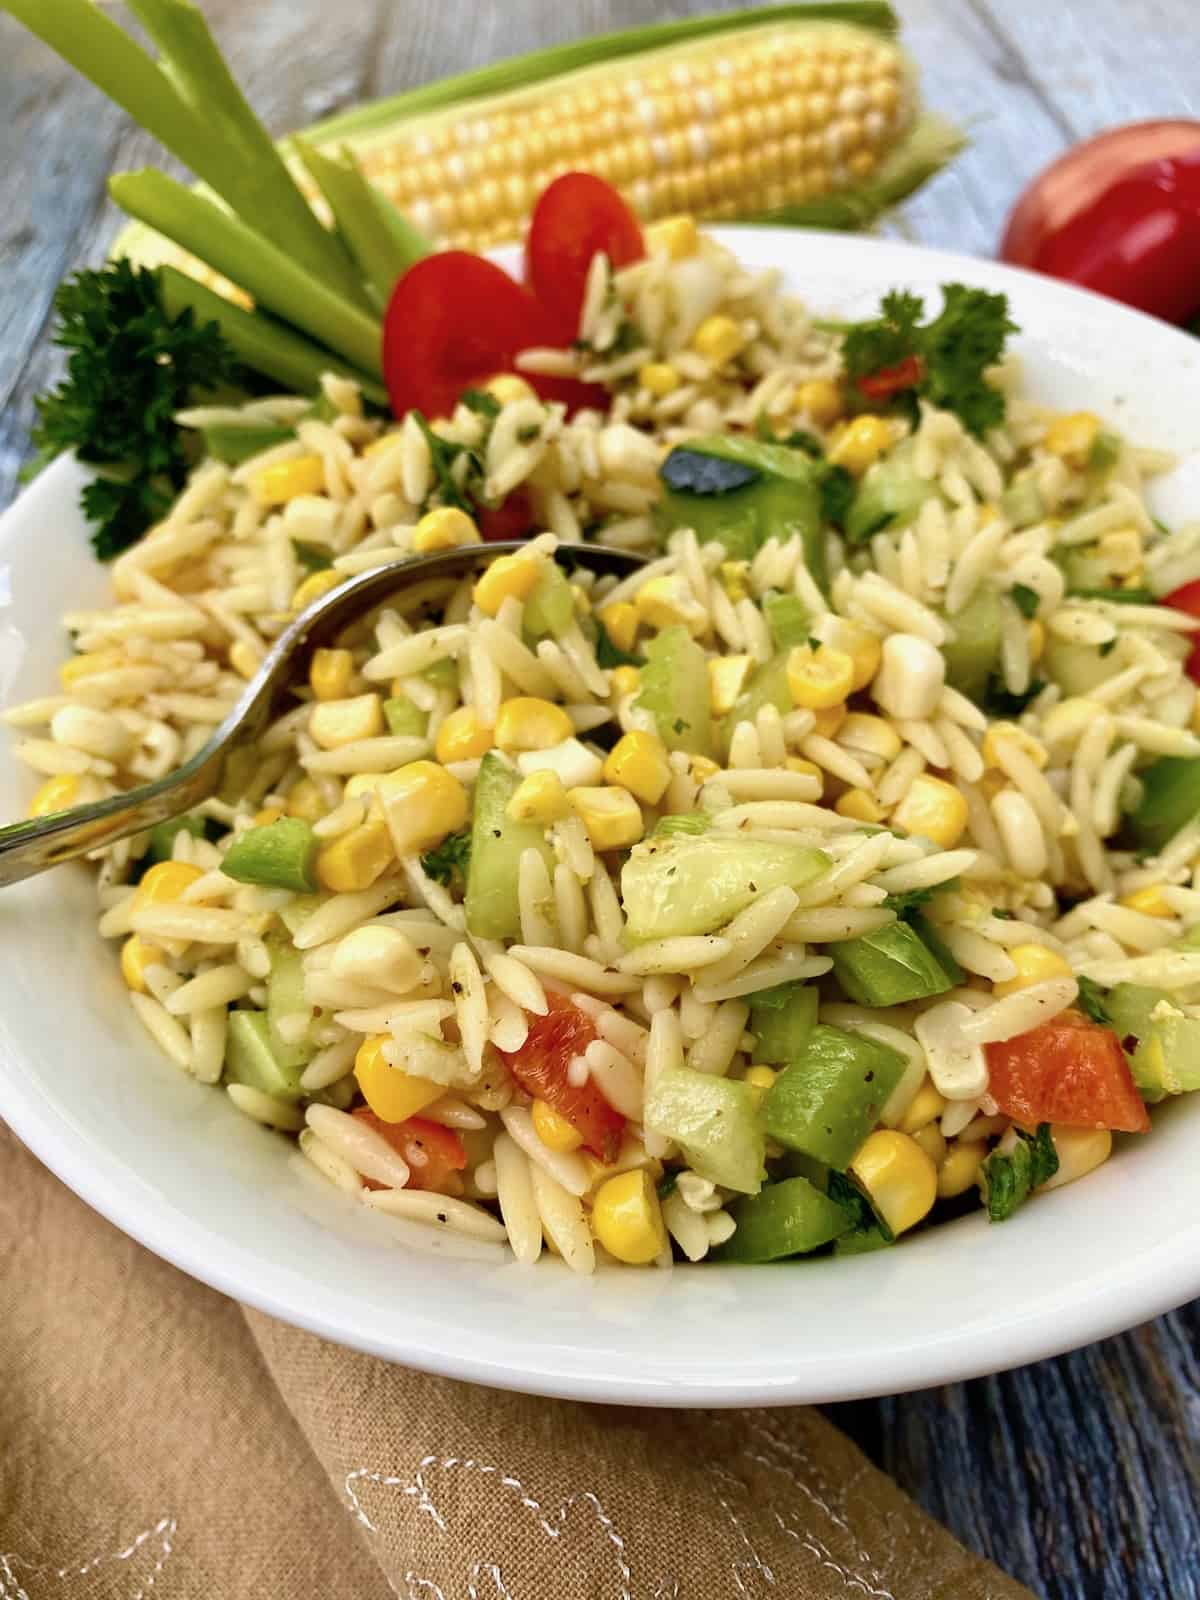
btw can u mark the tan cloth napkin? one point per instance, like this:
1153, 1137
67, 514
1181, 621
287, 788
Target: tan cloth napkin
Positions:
158, 1442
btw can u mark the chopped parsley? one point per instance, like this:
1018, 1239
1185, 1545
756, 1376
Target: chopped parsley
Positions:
1010, 1179
1091, 1001
609, 654
908, 904
450, 859
837, 491
1025, 599
999, 701
480, 402
952, 351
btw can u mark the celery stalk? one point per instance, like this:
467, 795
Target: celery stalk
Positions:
276, 281
371, 241
261, 344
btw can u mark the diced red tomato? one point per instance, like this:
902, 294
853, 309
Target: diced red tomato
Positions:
882, 385
540, 1068
576, 216
453, 320
511, 519
1068, 1070
435, 1155
1187, 598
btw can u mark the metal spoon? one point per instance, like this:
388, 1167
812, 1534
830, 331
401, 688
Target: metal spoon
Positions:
30, 847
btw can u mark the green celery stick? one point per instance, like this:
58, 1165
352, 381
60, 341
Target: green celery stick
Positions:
277, 282
261, 343
372, 243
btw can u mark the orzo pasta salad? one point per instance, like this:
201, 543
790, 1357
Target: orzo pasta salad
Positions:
833, 872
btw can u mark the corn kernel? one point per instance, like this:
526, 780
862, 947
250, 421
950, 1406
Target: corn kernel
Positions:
611, 816
378, 446
627, 1218
392, 1094
306, 801
933, 1141
702, 768
676, 237
527, 723
508, 577
638, 762
820, 400
829, 721
56, 794
926, 1106
507, 387
626, 680
760, 1080
861, 444
165, 881
330, 672
462, 737
136, 956
933, 809
987, 513
860, 805
860, 644
667, 600
868, 735
1013, 734
540, 797
581, 598
334, 723
244, 658
444, 529
620, 623
735, 579
1071, 436
555, 1132
718, 339
422, 803
314, 586
1080, 1151
76, 668
268, 815
961, 1168
354, 861
659, 377
1151, 901
726, 679
1034, 964
275, 486
898, 1175
819, 679
809, 768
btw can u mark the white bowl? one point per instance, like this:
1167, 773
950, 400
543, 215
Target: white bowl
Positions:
179, 1169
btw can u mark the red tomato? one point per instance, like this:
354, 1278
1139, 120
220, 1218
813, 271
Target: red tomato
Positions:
1187, 598
1068, 1070
540, 1067
882, 385
1120, 215
576, 216
435, 1154
453, 320
511, 519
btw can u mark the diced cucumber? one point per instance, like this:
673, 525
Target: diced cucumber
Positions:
788, 619
781, 1020
694, 884
1021, 502
1170, 798
249, 1058
162, 836
550, 608
1083, 567
715, 1124
285, 998
675, 691
973, 654
1076, 668
781, 499
497, 845
313, 557
828, 1100
892, 966
1104, 453
405, 720
279, 855
297, 911
235, 442
889, 496
1163, 1050
785, 1219
442, 674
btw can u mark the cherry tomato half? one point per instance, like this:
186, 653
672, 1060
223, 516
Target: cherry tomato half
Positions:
1187, 598
435, 1154
541, 1066
575, 217
888, 381
511, 519
1067, 1070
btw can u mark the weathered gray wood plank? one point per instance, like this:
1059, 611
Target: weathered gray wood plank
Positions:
1080, 1476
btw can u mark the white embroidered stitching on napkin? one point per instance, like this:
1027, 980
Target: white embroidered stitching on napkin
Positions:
156, 1542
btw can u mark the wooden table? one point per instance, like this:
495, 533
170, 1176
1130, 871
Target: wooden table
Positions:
1082, 1475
